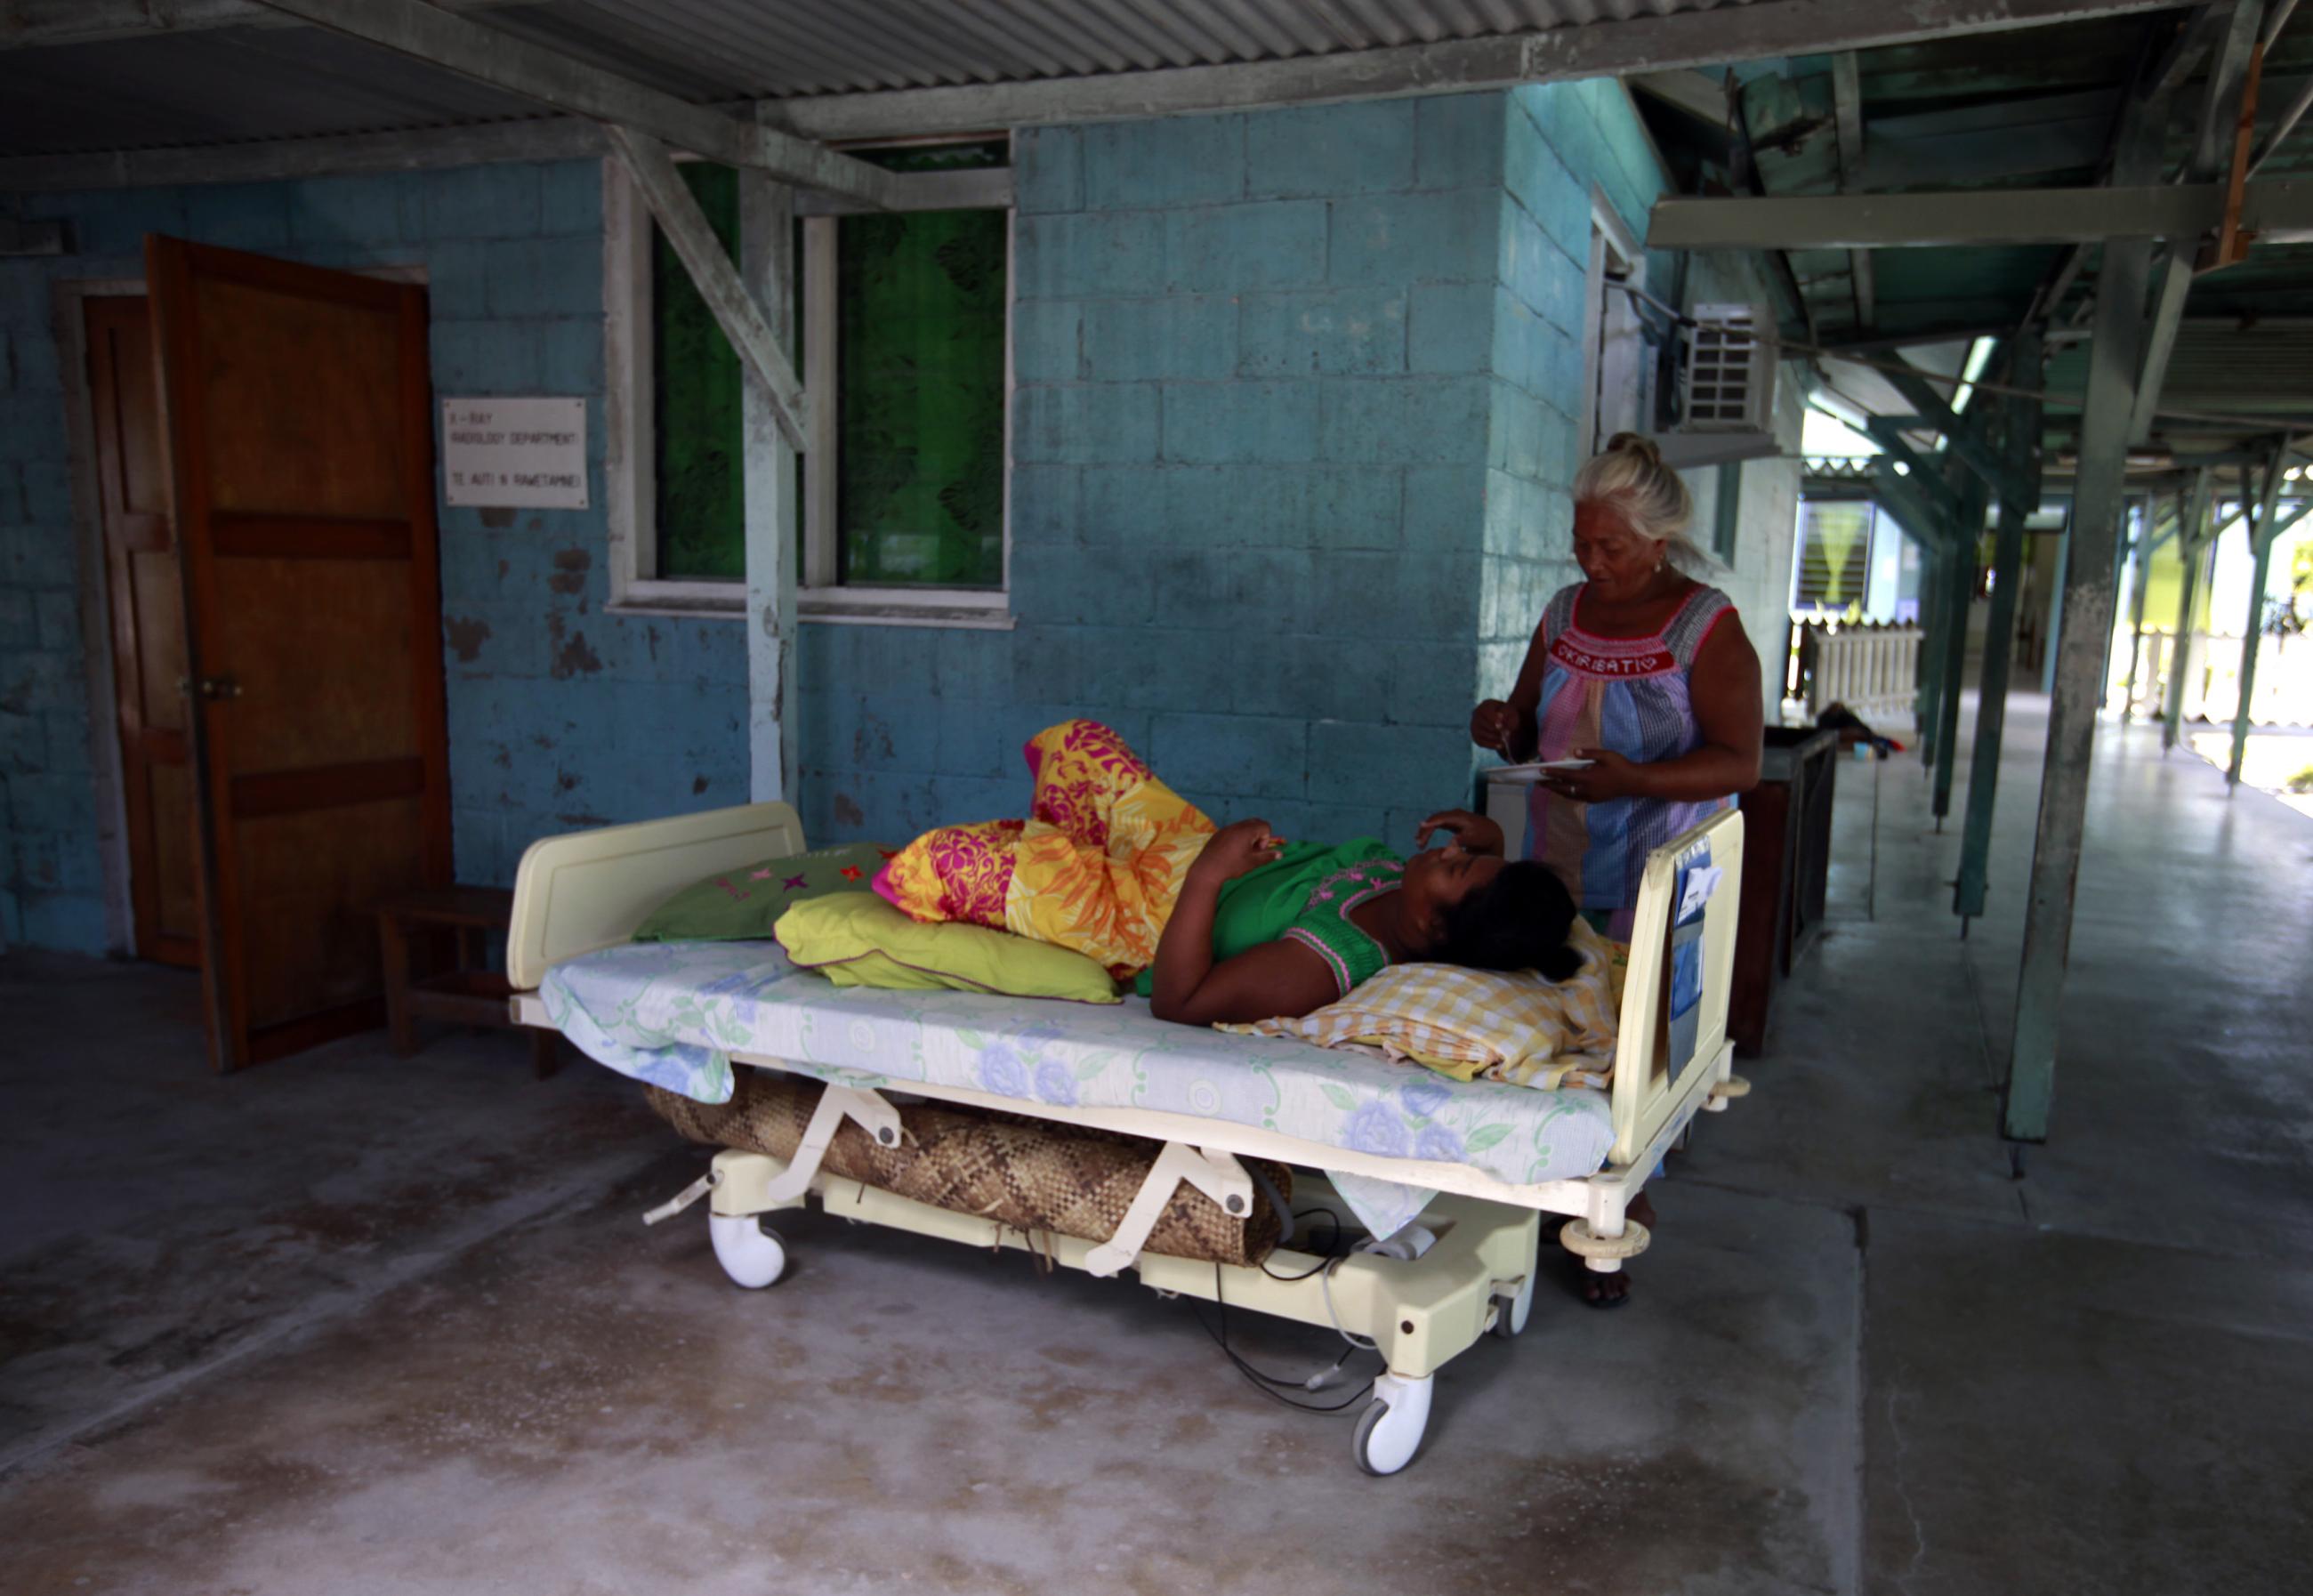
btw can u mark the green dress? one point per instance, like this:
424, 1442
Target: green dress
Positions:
1305, 894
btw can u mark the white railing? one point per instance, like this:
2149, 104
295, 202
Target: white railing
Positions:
1874, 670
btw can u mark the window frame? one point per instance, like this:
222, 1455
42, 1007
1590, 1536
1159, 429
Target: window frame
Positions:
1614, 334
629, 414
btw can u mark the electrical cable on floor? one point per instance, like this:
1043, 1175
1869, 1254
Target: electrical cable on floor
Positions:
1271, 1386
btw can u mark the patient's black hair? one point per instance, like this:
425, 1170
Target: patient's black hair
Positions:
1518, 920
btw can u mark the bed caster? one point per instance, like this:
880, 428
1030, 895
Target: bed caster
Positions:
1389, 1431
1725, 1092
752, 1255
1511, 1311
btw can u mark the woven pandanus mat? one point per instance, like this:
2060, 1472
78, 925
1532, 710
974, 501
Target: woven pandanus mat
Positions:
1030, 1175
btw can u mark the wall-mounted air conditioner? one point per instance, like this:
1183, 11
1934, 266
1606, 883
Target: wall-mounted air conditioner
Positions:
1726, 388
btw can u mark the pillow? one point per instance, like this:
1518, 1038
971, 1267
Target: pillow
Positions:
1467, 1023
855, 939
742, 906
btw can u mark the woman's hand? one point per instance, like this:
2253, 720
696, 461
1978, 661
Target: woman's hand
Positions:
1498, 726
1245, 845
1608, 776
1472, 833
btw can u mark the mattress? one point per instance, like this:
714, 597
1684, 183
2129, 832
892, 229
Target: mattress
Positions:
675, 1013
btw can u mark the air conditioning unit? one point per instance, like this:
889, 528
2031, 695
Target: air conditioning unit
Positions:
1726, 388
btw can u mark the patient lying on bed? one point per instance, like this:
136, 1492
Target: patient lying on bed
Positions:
1231, 923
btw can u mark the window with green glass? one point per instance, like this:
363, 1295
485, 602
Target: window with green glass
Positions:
696, 385
918, 333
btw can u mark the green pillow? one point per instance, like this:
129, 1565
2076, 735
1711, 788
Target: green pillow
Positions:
855, 939
742, 906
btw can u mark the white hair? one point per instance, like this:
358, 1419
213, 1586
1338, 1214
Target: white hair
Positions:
1631, 478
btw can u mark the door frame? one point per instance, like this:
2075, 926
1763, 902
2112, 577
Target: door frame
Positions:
69, 300
68, 305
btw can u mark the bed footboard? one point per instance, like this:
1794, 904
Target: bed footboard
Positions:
590, 889
1650, 1088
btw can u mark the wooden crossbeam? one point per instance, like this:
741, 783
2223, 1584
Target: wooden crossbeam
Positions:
719, 284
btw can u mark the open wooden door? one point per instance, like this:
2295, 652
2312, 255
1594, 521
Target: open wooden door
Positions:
299, 424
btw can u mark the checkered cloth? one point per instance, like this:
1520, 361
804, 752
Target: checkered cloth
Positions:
1468, 1023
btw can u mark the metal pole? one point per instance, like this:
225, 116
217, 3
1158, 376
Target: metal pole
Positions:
2114, 356
2064, 574
2249, 639
1935, 598
2192, 546
1962, 577
2023, 454
2142, 548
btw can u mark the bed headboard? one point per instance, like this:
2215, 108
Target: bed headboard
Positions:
587, 890
1649, 1084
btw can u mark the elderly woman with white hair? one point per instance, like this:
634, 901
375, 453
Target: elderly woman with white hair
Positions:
1644, 672
1641, 670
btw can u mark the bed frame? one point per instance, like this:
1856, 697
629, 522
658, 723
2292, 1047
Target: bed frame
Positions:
589, 890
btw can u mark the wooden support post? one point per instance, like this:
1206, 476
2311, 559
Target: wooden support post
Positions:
2115, 355
2022, 455
2191, 545
770, 487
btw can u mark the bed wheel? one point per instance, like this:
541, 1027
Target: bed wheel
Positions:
1510, 1312
1389, 1431
752, 1255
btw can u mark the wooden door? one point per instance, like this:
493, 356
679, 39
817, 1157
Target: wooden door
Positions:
147, 604
299, 423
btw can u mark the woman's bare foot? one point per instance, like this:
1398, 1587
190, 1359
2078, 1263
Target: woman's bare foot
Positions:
1601, 1289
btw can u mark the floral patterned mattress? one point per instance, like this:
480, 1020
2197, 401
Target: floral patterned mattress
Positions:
673, 1014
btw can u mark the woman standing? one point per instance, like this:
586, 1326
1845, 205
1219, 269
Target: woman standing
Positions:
1639, 669
1646, 673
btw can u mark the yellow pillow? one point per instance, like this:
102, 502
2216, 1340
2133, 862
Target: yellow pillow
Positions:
1467, 1023
855, 939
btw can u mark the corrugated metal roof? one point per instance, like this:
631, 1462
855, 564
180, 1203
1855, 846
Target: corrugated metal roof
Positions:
743, 48
243, 83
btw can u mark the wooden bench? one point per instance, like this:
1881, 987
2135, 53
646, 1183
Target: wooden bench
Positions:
467, 993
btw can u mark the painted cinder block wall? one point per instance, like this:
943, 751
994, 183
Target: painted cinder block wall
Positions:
1295, 415
560, 715
1251, 356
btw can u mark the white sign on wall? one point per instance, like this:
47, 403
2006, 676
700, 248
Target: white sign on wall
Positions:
523, 453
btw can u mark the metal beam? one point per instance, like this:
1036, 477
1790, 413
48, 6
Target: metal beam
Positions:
1962, 433
2022, 455
2229, 67
1967, 537
2280, 211
2174, 284
1697, 93
1705, 40
567, 84
1925, 478
718, 281
1847, 103
2114, 359
28, 22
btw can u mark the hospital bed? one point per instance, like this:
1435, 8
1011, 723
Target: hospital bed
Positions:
1479, 1162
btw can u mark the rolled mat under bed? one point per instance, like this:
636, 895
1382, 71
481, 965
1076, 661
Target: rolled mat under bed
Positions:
1029, 1175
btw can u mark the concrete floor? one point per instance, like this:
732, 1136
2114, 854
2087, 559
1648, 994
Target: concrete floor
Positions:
354, 1324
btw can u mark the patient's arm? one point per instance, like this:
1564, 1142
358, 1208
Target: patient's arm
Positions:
1276, 978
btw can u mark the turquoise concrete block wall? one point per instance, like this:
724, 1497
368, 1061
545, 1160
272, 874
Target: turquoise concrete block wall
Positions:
560, 716
1250, 439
